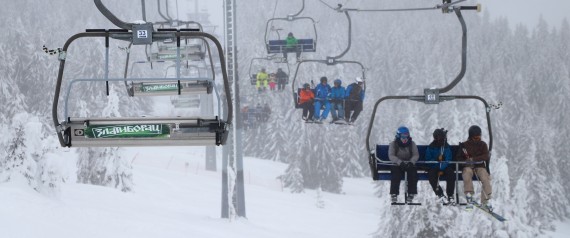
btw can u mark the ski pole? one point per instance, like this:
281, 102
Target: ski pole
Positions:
480, 182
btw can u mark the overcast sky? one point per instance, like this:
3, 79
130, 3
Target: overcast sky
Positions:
517, 11
528, 11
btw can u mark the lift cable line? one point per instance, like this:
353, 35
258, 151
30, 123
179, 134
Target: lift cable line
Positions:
446, 6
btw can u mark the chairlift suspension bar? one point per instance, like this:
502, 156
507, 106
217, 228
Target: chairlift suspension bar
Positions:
143, 5
300, 11
463, 54
167, 10
161, 14
178, 61
349, 37
105, 11
125, 74
107, 61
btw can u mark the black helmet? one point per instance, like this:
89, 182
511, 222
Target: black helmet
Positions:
474, 131
324, 79
306, 85
439, 133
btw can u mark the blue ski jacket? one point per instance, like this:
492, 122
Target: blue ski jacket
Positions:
322, 92
351, 87
433, 152
337, 93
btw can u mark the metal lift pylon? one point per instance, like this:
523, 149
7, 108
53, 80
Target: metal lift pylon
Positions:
233, 197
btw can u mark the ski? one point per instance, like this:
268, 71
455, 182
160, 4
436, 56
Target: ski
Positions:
493, 214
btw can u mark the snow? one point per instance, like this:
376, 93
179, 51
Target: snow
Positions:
175, 197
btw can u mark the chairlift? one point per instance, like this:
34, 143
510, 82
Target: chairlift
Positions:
330, 61
279, 45
137, 131
378, 156
275, 60
186, 101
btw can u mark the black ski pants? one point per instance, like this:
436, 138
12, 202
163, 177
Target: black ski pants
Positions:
350, 106
398, 173
308, 108
434, 178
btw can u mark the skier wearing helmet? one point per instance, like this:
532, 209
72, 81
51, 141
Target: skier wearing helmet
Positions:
306, 98
354, 98
440, 151
337, 101
404, 153
475, 150
322, 97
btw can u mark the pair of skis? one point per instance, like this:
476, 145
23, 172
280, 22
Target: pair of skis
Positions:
489, 212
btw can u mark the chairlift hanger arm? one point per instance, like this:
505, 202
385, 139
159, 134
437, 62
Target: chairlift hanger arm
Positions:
105, 11
161, 14
463, 54
415, 98
349, 37
300, 11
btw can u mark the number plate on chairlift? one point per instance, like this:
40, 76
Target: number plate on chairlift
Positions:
127, 131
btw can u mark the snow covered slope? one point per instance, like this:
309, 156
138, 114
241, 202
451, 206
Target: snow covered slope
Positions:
175, 197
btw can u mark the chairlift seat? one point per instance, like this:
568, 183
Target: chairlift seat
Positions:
112, 132
383, 171
185, 101
162, 88
278, 46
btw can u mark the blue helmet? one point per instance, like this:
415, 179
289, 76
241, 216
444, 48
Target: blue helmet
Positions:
402, 131
338, 81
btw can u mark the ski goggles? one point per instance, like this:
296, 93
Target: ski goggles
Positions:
404, 136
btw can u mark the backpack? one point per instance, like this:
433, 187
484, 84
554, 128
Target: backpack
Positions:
354, 94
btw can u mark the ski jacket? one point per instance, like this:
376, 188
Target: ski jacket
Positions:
354, 92
306, 96
337, 94
407, 153
433, 152
291, 42
261, 76
476, 151
322, 92
281, 76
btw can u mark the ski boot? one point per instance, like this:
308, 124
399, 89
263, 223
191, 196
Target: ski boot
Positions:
469, 198
394, 198
410, 198
487, 206
450, 201
440, 199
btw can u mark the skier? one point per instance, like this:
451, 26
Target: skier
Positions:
404, 153
475, 150
281, 79
272, 81
306, 98
354, 98
261, 80
322, 97
259, 111
439, 150
266, 112
337, 101
291, 45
